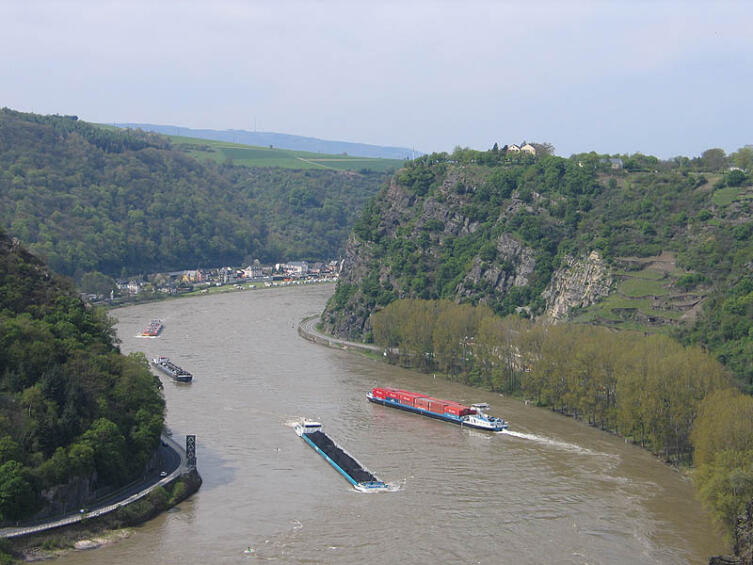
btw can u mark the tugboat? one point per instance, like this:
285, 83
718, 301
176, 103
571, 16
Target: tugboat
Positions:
473, 416
153, 329
355, 473
172, 370
482, 420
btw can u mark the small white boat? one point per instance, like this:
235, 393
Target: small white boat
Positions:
307, 427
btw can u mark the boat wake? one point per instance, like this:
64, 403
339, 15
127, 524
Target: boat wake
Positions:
550, 442
389, 487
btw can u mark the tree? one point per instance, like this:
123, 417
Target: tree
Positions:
735, 178
543, 149
743, 158
108, 444
713, 159
96, 283
9, 450
17, 497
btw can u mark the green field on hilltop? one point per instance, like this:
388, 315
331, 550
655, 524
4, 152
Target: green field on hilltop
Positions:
251, 156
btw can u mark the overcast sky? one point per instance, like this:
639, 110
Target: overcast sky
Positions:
665, 78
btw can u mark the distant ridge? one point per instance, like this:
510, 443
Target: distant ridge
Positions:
280, 141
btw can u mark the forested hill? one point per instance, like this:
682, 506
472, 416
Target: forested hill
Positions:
90, 199
73, 410
630, 242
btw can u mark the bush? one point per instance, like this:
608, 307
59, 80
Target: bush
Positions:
735, 178
704, 215
159, 499
686, 282
179, 492
488, 251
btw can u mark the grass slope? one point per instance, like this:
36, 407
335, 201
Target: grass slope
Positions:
250, 156
646, 296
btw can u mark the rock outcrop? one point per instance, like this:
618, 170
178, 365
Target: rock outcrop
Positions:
578, 283
450, 231
513, 267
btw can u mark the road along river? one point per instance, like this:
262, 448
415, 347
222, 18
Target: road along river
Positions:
550, 491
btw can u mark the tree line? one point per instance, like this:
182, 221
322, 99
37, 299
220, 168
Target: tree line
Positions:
675, 400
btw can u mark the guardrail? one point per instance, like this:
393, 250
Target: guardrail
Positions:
307, 331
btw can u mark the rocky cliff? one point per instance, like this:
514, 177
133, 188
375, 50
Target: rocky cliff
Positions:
578, 283
549, 238
456, 233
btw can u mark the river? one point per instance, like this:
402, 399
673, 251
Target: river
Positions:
551, 491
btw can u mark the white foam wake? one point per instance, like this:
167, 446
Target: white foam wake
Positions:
550, 442
391, 487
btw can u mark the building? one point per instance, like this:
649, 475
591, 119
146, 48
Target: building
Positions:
296, 268
615, 163
528, 148
253, 271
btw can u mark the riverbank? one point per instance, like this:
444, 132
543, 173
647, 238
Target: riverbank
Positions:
307, 330
207, 291
99, 524
100, 530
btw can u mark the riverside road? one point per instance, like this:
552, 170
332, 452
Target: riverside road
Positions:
171, 462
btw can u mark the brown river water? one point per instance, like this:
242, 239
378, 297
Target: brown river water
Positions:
551, 491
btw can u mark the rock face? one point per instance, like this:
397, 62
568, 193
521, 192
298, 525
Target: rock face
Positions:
514, 265
353, 321
77, 493
579, 282
453, 237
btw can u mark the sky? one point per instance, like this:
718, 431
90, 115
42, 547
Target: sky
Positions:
661, 78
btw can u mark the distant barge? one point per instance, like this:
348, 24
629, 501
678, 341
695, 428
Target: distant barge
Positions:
172, 370
153, 329
473, 416
355, 473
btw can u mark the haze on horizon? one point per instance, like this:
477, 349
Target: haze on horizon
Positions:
665, 78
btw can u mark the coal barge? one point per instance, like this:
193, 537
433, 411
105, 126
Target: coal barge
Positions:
355, 473
473, 416
172, 370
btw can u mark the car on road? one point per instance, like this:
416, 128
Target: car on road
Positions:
163, 474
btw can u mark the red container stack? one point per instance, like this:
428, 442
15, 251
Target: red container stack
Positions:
417, 400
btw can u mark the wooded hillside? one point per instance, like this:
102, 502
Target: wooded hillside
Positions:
492, 228
72, 408
122, 202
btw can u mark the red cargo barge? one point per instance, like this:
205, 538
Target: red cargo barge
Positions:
473, 416
153, 329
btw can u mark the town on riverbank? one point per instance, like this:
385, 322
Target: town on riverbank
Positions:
254, 276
